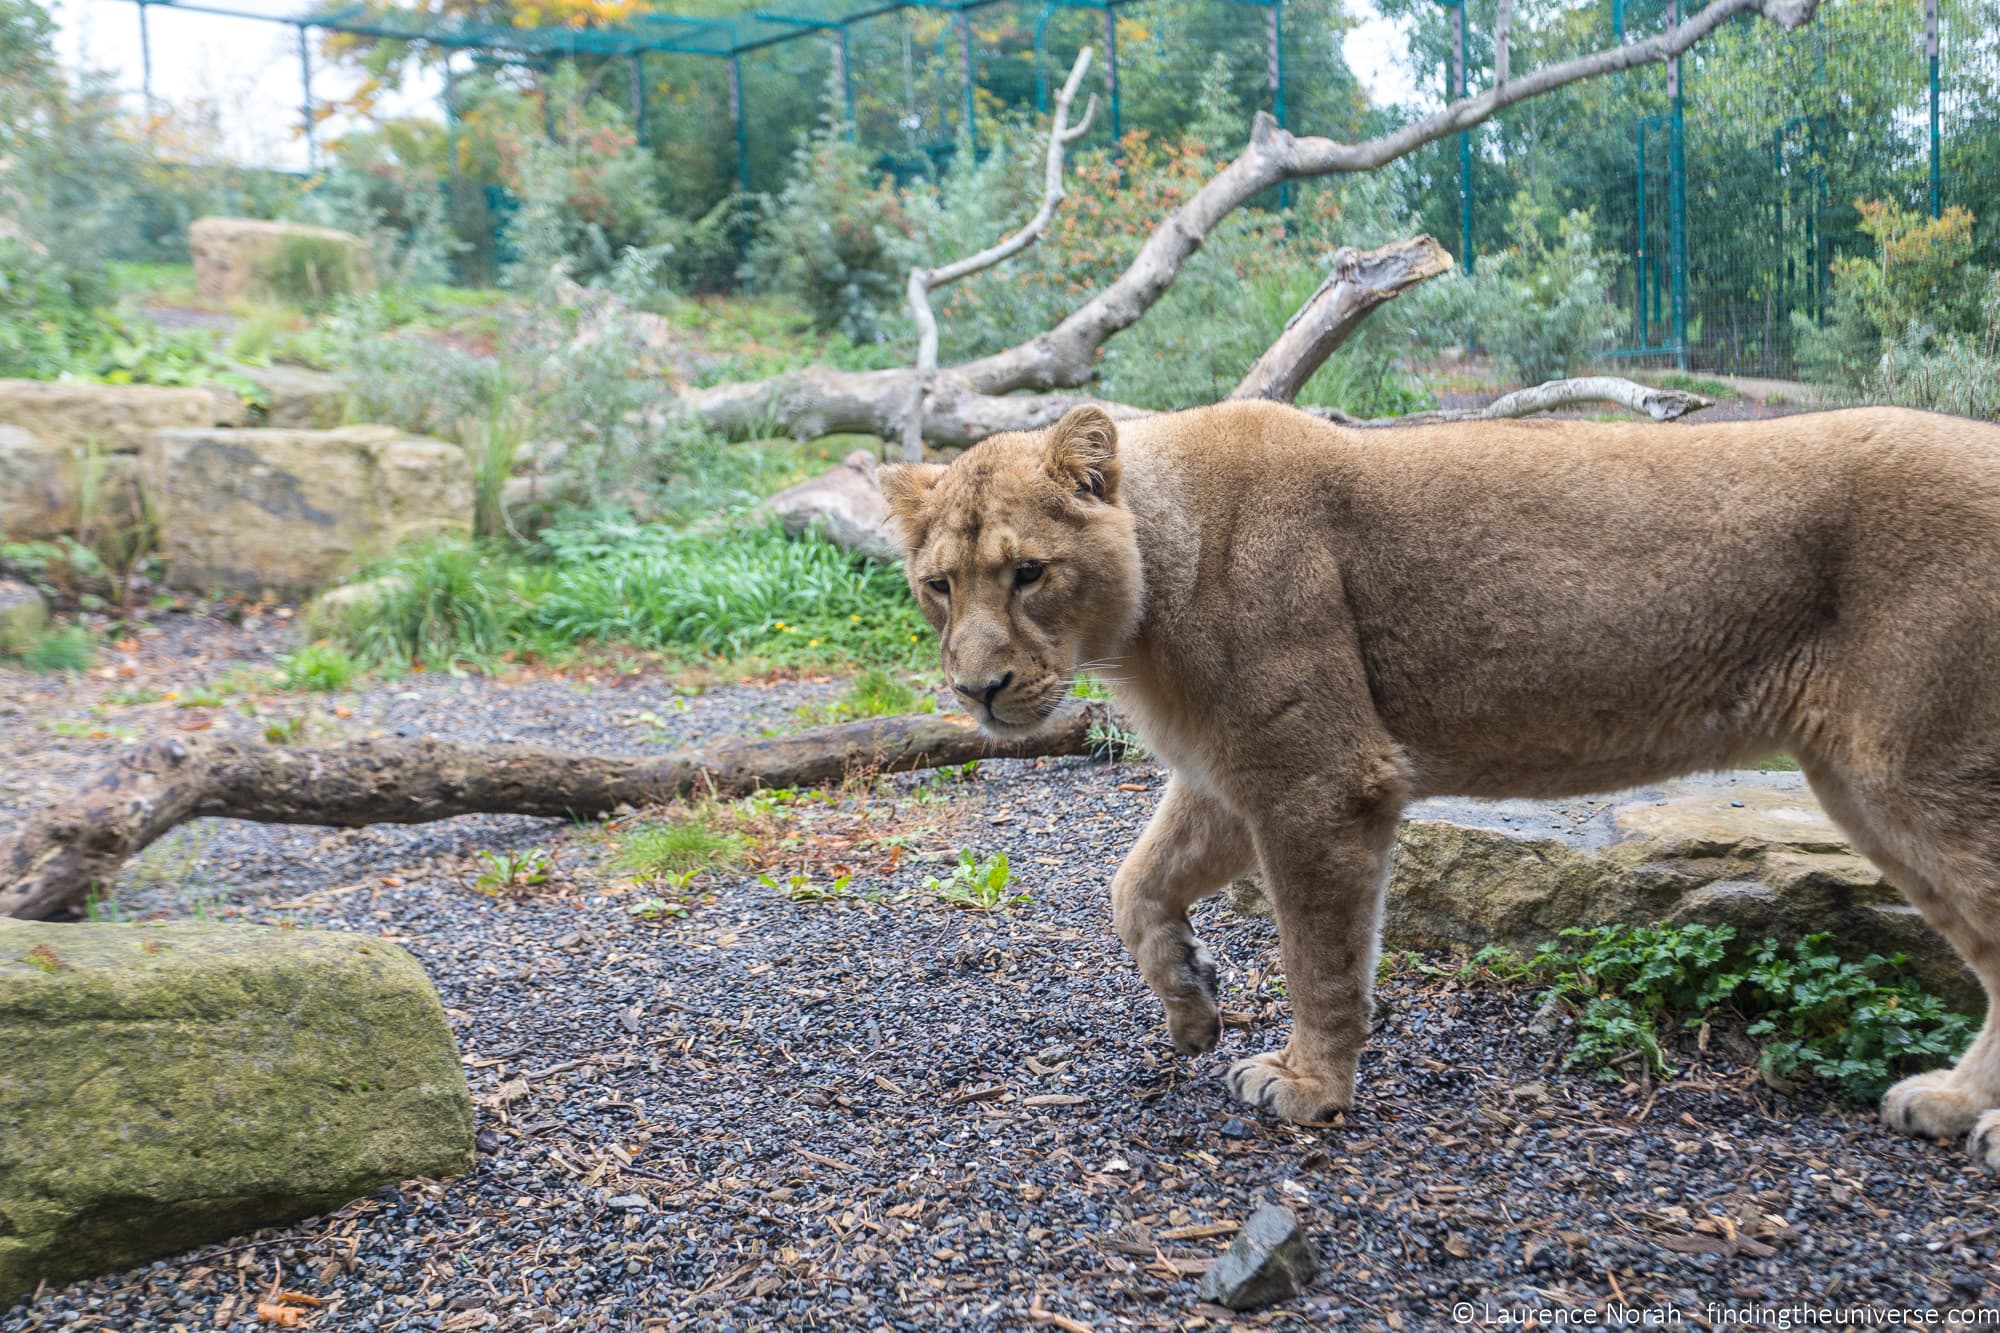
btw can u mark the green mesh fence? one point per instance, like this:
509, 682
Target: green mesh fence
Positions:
1727, 188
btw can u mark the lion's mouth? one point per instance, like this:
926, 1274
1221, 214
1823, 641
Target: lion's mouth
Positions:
1017, 717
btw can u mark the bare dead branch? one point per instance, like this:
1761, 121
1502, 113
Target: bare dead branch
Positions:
1065, 356
922, 280
62, 853
1659, 404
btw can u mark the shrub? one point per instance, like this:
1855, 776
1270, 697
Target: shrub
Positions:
835, 239
319, 667
1856, 1026
310, 270
67, 649
1541, 308
440, 604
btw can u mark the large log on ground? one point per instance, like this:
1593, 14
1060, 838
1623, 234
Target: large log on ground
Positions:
62, 853
165, 1086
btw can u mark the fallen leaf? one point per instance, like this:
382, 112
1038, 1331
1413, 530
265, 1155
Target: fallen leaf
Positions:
284, 1316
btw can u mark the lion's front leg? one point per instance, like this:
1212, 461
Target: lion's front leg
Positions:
1326, 879
1192, 847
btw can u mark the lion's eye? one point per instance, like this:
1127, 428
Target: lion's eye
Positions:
1027, 572
942, 587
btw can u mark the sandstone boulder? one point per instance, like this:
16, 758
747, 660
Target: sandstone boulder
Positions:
1757, 854
107, 418
286, 512
167, 1086
251, 257
843, 504
297, 398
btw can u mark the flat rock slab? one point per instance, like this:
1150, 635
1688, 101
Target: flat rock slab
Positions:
1747, 849
108, 418
166, 1086
254, 257
287, 512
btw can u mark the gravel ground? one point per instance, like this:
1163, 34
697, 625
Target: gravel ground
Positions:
773, 1114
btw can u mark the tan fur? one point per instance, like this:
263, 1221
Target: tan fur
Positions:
1316, 626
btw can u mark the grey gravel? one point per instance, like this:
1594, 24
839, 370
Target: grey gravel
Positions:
845, 1115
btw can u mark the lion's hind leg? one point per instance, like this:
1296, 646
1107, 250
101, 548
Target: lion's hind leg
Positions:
1937, 839
1192, 847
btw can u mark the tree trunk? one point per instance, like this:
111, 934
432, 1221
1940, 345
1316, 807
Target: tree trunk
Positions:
61, 854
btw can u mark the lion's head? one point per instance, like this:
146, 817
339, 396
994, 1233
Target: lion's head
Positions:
1022, 557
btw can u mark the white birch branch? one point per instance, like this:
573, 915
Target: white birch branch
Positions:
1659, 404
922, 280
1501, 23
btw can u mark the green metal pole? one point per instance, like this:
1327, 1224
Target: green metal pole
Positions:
1276, 71
845, 57
1464, 152
306, 103
966, 81
1641, 332
1677, 203
639, 96
1931, 51
1042, 57
1111, 76
736, 118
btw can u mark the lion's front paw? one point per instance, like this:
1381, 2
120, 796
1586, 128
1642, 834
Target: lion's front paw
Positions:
1267, 1081
1932, 1105
1984, 1142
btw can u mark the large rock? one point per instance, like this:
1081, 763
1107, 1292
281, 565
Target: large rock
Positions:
296, 398
286, 512
24, 614
1269, 1261
1755, 852
250, 257
108, 418
844, 504
48, 489
166, 1086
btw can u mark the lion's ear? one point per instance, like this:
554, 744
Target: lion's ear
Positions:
1082, 453
905, 487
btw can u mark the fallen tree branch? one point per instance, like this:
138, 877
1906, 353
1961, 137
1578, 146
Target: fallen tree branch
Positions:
922, 280
1659, 404
64, 853
817, 400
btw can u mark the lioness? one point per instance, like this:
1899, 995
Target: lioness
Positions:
1315, 626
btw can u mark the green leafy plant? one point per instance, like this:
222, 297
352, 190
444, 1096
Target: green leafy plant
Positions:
800, 887
978, 885
873, 693
1855, 1025
511, 872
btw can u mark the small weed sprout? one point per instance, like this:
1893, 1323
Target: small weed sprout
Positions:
978, 885
511, 872
800, 887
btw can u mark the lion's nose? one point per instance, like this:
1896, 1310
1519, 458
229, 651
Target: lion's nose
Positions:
986, 693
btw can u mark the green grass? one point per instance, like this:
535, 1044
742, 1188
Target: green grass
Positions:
675, 849
1707, 388
740, 593
320, 667
873, 693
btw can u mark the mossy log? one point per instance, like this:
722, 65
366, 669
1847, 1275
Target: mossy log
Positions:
61, 854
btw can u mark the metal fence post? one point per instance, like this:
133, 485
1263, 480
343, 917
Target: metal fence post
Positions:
1931, 53
146, 68
1458, 63
1042, 56
966, 81
306, 102
736, 119
1677, 201
846, 61
1111, 74
639, 96
1274, 62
